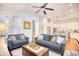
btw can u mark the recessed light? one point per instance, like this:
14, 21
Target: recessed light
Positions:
71, 10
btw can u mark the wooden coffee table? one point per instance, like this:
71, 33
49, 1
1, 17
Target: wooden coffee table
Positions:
28, 51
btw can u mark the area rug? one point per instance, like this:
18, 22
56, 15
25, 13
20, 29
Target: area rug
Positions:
52, 53
17, 52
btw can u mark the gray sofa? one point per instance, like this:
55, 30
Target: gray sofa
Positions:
16, 41
54, 46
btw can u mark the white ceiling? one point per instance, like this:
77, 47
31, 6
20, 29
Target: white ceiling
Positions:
61, 10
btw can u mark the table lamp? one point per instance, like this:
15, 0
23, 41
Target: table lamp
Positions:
68, 36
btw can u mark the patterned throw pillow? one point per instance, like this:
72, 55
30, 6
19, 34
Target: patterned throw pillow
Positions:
60, 40
54, 39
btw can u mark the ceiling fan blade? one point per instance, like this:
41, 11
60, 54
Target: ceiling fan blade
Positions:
36, 7
44, 5
37, 11
44, 12
49, 9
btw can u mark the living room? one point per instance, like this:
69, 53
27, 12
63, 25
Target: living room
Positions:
39, 29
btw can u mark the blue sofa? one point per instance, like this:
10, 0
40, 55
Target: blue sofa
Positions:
54, 46
17, 40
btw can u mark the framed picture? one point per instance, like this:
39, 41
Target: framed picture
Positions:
27, 25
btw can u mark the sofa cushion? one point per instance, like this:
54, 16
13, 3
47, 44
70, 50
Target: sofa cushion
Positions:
54, 45
19, 41
46, 37
60, 40
63, 36
49, 44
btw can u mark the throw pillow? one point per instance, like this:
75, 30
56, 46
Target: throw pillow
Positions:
54, 39
60, 40
22, 37
40, 37
12, 38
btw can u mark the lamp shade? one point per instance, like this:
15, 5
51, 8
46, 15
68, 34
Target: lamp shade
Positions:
3, 26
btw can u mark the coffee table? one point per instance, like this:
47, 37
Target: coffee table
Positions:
28, 51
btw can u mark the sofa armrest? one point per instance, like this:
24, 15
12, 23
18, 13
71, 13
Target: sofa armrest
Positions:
10, 43
62, 47
27, 38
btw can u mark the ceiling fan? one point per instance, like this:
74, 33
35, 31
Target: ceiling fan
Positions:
43, 7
